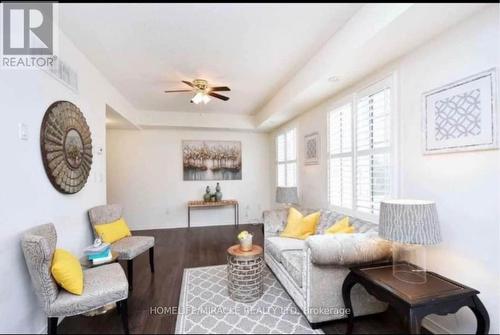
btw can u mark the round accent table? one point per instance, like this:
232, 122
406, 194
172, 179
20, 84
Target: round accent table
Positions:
245, 273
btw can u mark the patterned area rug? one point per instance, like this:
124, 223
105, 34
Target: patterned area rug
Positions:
205, 307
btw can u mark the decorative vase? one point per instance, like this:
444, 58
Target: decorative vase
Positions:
207, 195
246, 243
218, 193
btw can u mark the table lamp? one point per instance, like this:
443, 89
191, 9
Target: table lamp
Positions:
287, 195
410, 224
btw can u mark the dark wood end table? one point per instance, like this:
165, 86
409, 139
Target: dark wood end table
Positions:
439, 295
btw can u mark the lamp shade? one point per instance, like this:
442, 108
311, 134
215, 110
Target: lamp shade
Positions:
409, 221
287, 195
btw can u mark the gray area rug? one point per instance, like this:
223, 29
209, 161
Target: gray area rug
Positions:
205, 307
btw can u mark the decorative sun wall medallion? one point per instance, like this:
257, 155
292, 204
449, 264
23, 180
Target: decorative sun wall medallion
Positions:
66, 144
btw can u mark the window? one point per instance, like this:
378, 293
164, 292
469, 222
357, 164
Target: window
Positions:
286, 158
359, 151
341, 157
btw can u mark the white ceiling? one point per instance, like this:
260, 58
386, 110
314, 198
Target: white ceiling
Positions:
144, 49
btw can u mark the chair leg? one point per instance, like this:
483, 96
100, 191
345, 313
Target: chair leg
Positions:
124, 315
152, 259
52, 326
130, 273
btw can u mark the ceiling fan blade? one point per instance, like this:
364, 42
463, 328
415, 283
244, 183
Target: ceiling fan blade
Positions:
218, 96
219, 88
173, 91
188, 83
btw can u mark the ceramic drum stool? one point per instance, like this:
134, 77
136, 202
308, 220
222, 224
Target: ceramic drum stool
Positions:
245, 273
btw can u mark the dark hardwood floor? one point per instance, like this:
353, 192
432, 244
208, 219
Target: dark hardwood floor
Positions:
175, 250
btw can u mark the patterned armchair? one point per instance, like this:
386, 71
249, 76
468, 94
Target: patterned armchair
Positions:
102, 285
127, 248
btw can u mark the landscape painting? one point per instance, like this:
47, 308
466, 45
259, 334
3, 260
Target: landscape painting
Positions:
211, 160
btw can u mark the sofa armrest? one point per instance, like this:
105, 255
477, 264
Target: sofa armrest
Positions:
347, 249
274, 221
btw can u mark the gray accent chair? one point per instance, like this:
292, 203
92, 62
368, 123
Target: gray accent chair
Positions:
129, 247
313, 270
102, 285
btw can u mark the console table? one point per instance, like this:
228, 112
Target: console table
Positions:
439, 295
215, 204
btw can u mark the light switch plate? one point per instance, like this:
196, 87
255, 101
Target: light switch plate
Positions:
23, 131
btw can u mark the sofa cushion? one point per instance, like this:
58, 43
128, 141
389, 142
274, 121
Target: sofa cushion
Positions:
300, 226
101, 285
348, 249
329, 217
276, 245
131, 246
293, 262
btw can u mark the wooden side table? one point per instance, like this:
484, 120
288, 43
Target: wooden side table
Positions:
86, 263
439, 295
245, 273
215, 204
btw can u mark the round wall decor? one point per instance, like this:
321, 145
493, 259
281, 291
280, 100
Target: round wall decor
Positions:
66, 145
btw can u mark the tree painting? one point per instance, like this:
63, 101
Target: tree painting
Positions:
211, 160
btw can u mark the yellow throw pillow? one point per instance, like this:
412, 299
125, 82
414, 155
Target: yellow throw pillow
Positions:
67, 271
114, 231
298, 226
341, 226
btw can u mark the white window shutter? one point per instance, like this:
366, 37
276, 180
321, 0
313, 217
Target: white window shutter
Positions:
340, 157
286, 158
373, 151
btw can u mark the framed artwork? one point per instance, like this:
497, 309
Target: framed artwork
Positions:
312, 149
211, 160
461, 116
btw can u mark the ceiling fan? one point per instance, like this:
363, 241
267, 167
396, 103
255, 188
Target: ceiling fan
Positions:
203, 91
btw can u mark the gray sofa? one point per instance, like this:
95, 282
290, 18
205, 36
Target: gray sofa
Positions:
313, 270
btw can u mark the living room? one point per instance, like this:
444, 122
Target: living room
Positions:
239, 168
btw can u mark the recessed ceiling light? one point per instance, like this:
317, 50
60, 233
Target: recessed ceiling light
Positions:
333, 79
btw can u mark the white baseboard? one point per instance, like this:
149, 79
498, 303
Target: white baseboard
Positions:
434, 327
252, 222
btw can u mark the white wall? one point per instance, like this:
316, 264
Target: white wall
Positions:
465, 186
145, 176
26, 197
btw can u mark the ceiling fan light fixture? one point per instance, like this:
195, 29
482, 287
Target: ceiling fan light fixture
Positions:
206, 99
202, 91
198, 97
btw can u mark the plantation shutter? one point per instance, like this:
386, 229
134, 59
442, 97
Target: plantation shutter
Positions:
340, 157
286, 158
280, 157
373, 149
